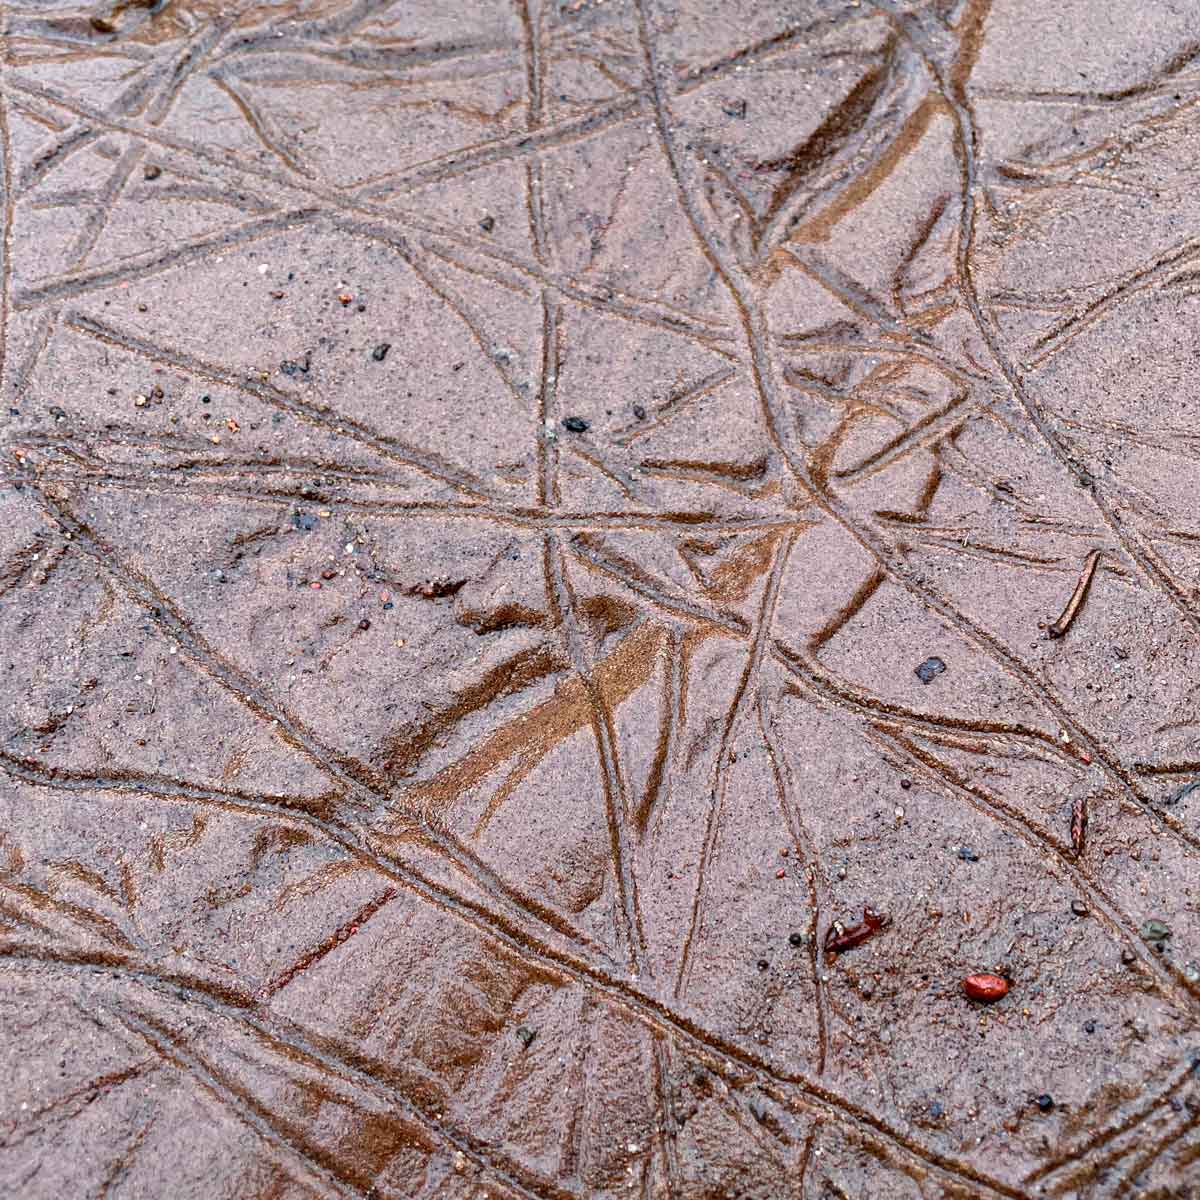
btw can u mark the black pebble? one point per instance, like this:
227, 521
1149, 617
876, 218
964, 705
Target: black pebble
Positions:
380, 351
797, 939
487, 224
1079, 908
150, 171
1045, 1102
388, 605
575, 425
967, 854
364, 624
305, 521
639, 412
763, 964
1089, 1027
930, 669
526, 1035
1185, 792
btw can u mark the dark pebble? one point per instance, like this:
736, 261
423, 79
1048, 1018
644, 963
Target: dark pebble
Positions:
364, 624
930, 669
380, 351
1089, 1027
1155, 930
575, 425
936, 1111
1045, 1102
1128, 957
1184, 792
526, 1035
1079, 908
736, 110
906, 784
763, 964
1120, 652
388, 605
305, 521
639, 412
797, 939
967, 854
487, 224
205, 399
150, 171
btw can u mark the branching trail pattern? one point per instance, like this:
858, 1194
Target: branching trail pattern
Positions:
522, 521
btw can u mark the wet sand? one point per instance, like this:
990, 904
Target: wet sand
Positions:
570, 570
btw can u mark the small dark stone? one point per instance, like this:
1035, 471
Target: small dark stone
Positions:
156, 392
1120, 652
364, 624
1155, 930
1089, 1027
639, 412
388, 604
57, 413
380, 351
295, 369
1045, 1102
797, 939
304, 521
763, 964
906, 784
737, 110
575, 425
150, 171
930, 669
1128, 957
1184, 792
1079, 908
936, 1111
967, 854
488, 224
526, 1035
205, 399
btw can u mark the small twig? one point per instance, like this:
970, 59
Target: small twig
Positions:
1079, 819
1077, 596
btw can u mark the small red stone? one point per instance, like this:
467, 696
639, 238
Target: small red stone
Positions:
987, 988
781, 874
316, 587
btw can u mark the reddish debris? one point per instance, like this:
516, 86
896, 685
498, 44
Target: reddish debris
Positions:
846, 937
987, 988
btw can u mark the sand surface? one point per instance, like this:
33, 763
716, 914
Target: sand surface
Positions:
520, 523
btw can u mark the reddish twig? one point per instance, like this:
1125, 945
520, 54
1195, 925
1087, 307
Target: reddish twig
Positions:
1077, 596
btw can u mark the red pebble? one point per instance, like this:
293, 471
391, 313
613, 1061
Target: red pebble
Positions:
987, 988
780, 874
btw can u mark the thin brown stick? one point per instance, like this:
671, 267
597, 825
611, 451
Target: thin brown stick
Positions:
1077, 596
1079, 819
